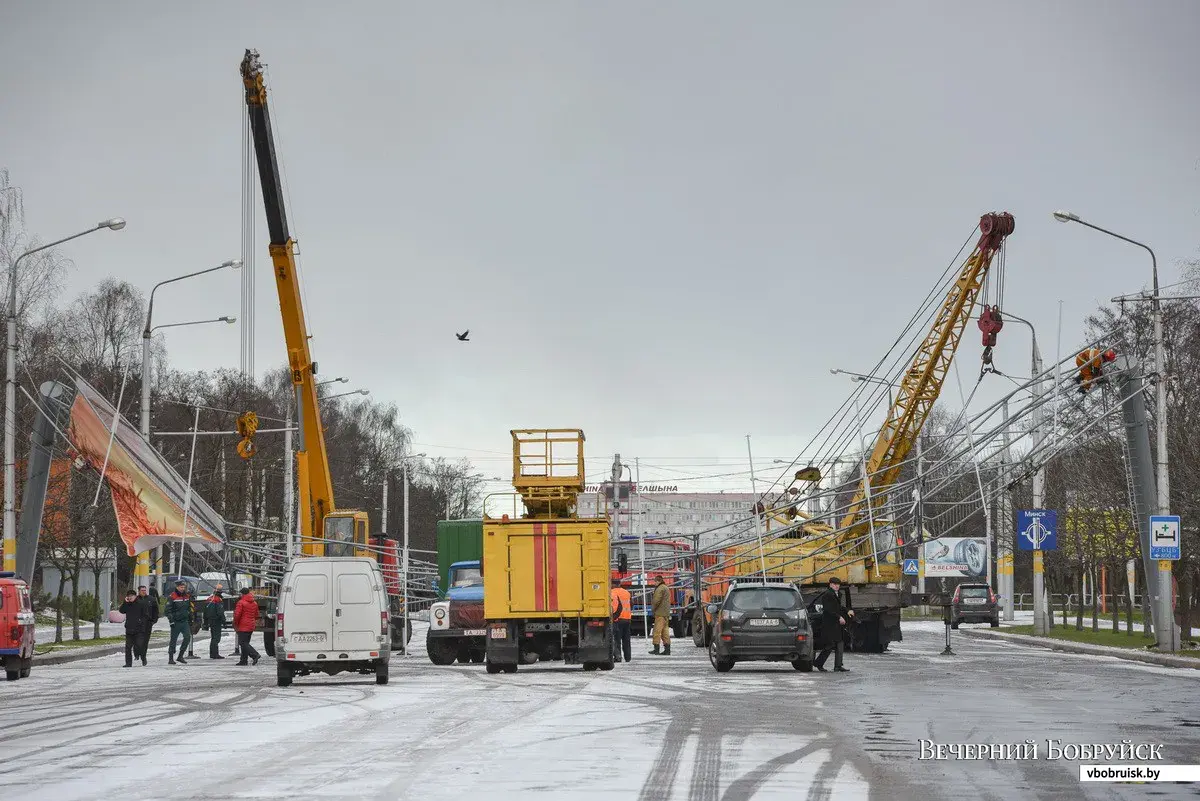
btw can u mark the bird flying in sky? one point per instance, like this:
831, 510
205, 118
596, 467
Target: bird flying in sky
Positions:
463, 336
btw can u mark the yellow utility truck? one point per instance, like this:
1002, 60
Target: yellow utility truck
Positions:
545, 570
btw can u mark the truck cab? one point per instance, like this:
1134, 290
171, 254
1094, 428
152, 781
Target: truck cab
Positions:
16, 627
456, 625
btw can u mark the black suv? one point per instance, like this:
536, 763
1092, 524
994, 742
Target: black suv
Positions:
974, 603
761, 622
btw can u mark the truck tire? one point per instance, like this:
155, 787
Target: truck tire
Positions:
12, 675
493, 668
441, 650
381, 673
606, 665
803, 665
26, 667
699, 633
510, 668
477, 657
589, 667
283, 675
678, 629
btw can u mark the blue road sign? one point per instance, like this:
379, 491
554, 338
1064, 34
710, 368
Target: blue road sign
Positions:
910, 567
1037, 529
1164, 536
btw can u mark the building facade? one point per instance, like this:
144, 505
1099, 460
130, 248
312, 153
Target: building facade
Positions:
714, 516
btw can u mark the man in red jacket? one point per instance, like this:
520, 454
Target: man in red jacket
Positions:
245, 618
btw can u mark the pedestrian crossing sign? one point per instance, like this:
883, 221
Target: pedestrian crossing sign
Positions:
910, 567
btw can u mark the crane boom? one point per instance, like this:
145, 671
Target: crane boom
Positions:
918, 391
312, 460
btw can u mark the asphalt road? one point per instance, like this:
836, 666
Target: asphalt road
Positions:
659, 728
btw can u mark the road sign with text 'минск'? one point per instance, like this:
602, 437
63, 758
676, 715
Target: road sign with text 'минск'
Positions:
1164, 537
1037, 529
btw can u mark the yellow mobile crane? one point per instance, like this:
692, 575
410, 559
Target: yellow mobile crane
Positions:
340, 532
848, 549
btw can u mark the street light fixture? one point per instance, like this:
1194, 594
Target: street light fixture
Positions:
353, 392
10, 395
1160, 398
229, 320
340, 379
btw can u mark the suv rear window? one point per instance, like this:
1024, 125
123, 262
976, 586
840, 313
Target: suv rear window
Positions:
973, 592
755, 599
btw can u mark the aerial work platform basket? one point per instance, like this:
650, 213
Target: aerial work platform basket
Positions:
548, 469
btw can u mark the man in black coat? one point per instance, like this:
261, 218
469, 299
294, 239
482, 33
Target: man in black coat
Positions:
137, 622
150, 601
833, 619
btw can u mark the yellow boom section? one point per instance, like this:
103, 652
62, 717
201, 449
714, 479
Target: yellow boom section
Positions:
312, 461
919, 389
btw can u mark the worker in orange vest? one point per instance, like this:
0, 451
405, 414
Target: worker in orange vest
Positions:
622, 615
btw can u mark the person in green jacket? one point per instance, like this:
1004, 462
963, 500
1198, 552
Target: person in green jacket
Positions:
660, 607
214, 621
179, 613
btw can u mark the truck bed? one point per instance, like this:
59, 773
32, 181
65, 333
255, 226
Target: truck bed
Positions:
536, 569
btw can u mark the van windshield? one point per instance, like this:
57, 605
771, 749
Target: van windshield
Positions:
758, 598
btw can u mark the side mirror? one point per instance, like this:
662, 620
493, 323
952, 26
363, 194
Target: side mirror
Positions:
711, 608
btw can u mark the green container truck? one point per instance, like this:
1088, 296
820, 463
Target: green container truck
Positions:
457, 541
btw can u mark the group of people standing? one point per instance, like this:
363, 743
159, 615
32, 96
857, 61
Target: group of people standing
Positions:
141, 610
621, 603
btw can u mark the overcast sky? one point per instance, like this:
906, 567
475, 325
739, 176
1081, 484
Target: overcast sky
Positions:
662, 223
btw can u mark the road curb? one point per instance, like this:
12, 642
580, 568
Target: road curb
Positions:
1130, 654
96, 651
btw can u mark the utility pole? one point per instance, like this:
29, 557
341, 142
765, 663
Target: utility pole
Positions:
404, 568
1006, 530
757, 517
1039, 492
920, 518
289, 465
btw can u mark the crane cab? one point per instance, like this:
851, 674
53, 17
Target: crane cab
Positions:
345, 535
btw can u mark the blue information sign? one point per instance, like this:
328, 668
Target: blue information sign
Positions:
1037, 529
1164, 536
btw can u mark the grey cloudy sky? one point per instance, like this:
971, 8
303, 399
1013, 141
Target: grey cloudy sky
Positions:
663, 223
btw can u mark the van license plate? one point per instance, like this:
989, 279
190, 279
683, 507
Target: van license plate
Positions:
769, 621
309, 636
474, 632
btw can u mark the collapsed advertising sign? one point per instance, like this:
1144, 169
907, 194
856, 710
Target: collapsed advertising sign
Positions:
955, 557
148, 495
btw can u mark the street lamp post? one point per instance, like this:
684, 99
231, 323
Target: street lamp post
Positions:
404, 558
10, 394
1163, 589
142, 568
1038, 492
338, 380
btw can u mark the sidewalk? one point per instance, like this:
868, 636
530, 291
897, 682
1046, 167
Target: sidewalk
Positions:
95, 651
1132, 654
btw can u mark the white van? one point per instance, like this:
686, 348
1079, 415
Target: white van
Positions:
332, 617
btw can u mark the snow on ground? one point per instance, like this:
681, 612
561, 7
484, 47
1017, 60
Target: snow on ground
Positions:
658, 729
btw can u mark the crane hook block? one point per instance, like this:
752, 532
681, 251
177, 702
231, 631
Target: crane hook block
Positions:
990, 323
247, 425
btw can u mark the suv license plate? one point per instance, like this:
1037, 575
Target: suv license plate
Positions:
309, 636
974, 601
770, 621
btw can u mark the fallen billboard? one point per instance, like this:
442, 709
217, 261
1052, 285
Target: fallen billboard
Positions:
955, 557
148, 495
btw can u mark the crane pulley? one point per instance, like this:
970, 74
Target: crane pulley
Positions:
247, 426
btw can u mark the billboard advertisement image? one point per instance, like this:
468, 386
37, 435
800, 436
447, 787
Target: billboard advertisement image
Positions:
955, 557
148, 495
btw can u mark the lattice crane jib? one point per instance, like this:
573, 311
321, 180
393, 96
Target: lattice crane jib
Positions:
919, 388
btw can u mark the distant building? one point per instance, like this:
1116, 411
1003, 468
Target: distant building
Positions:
675, 514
